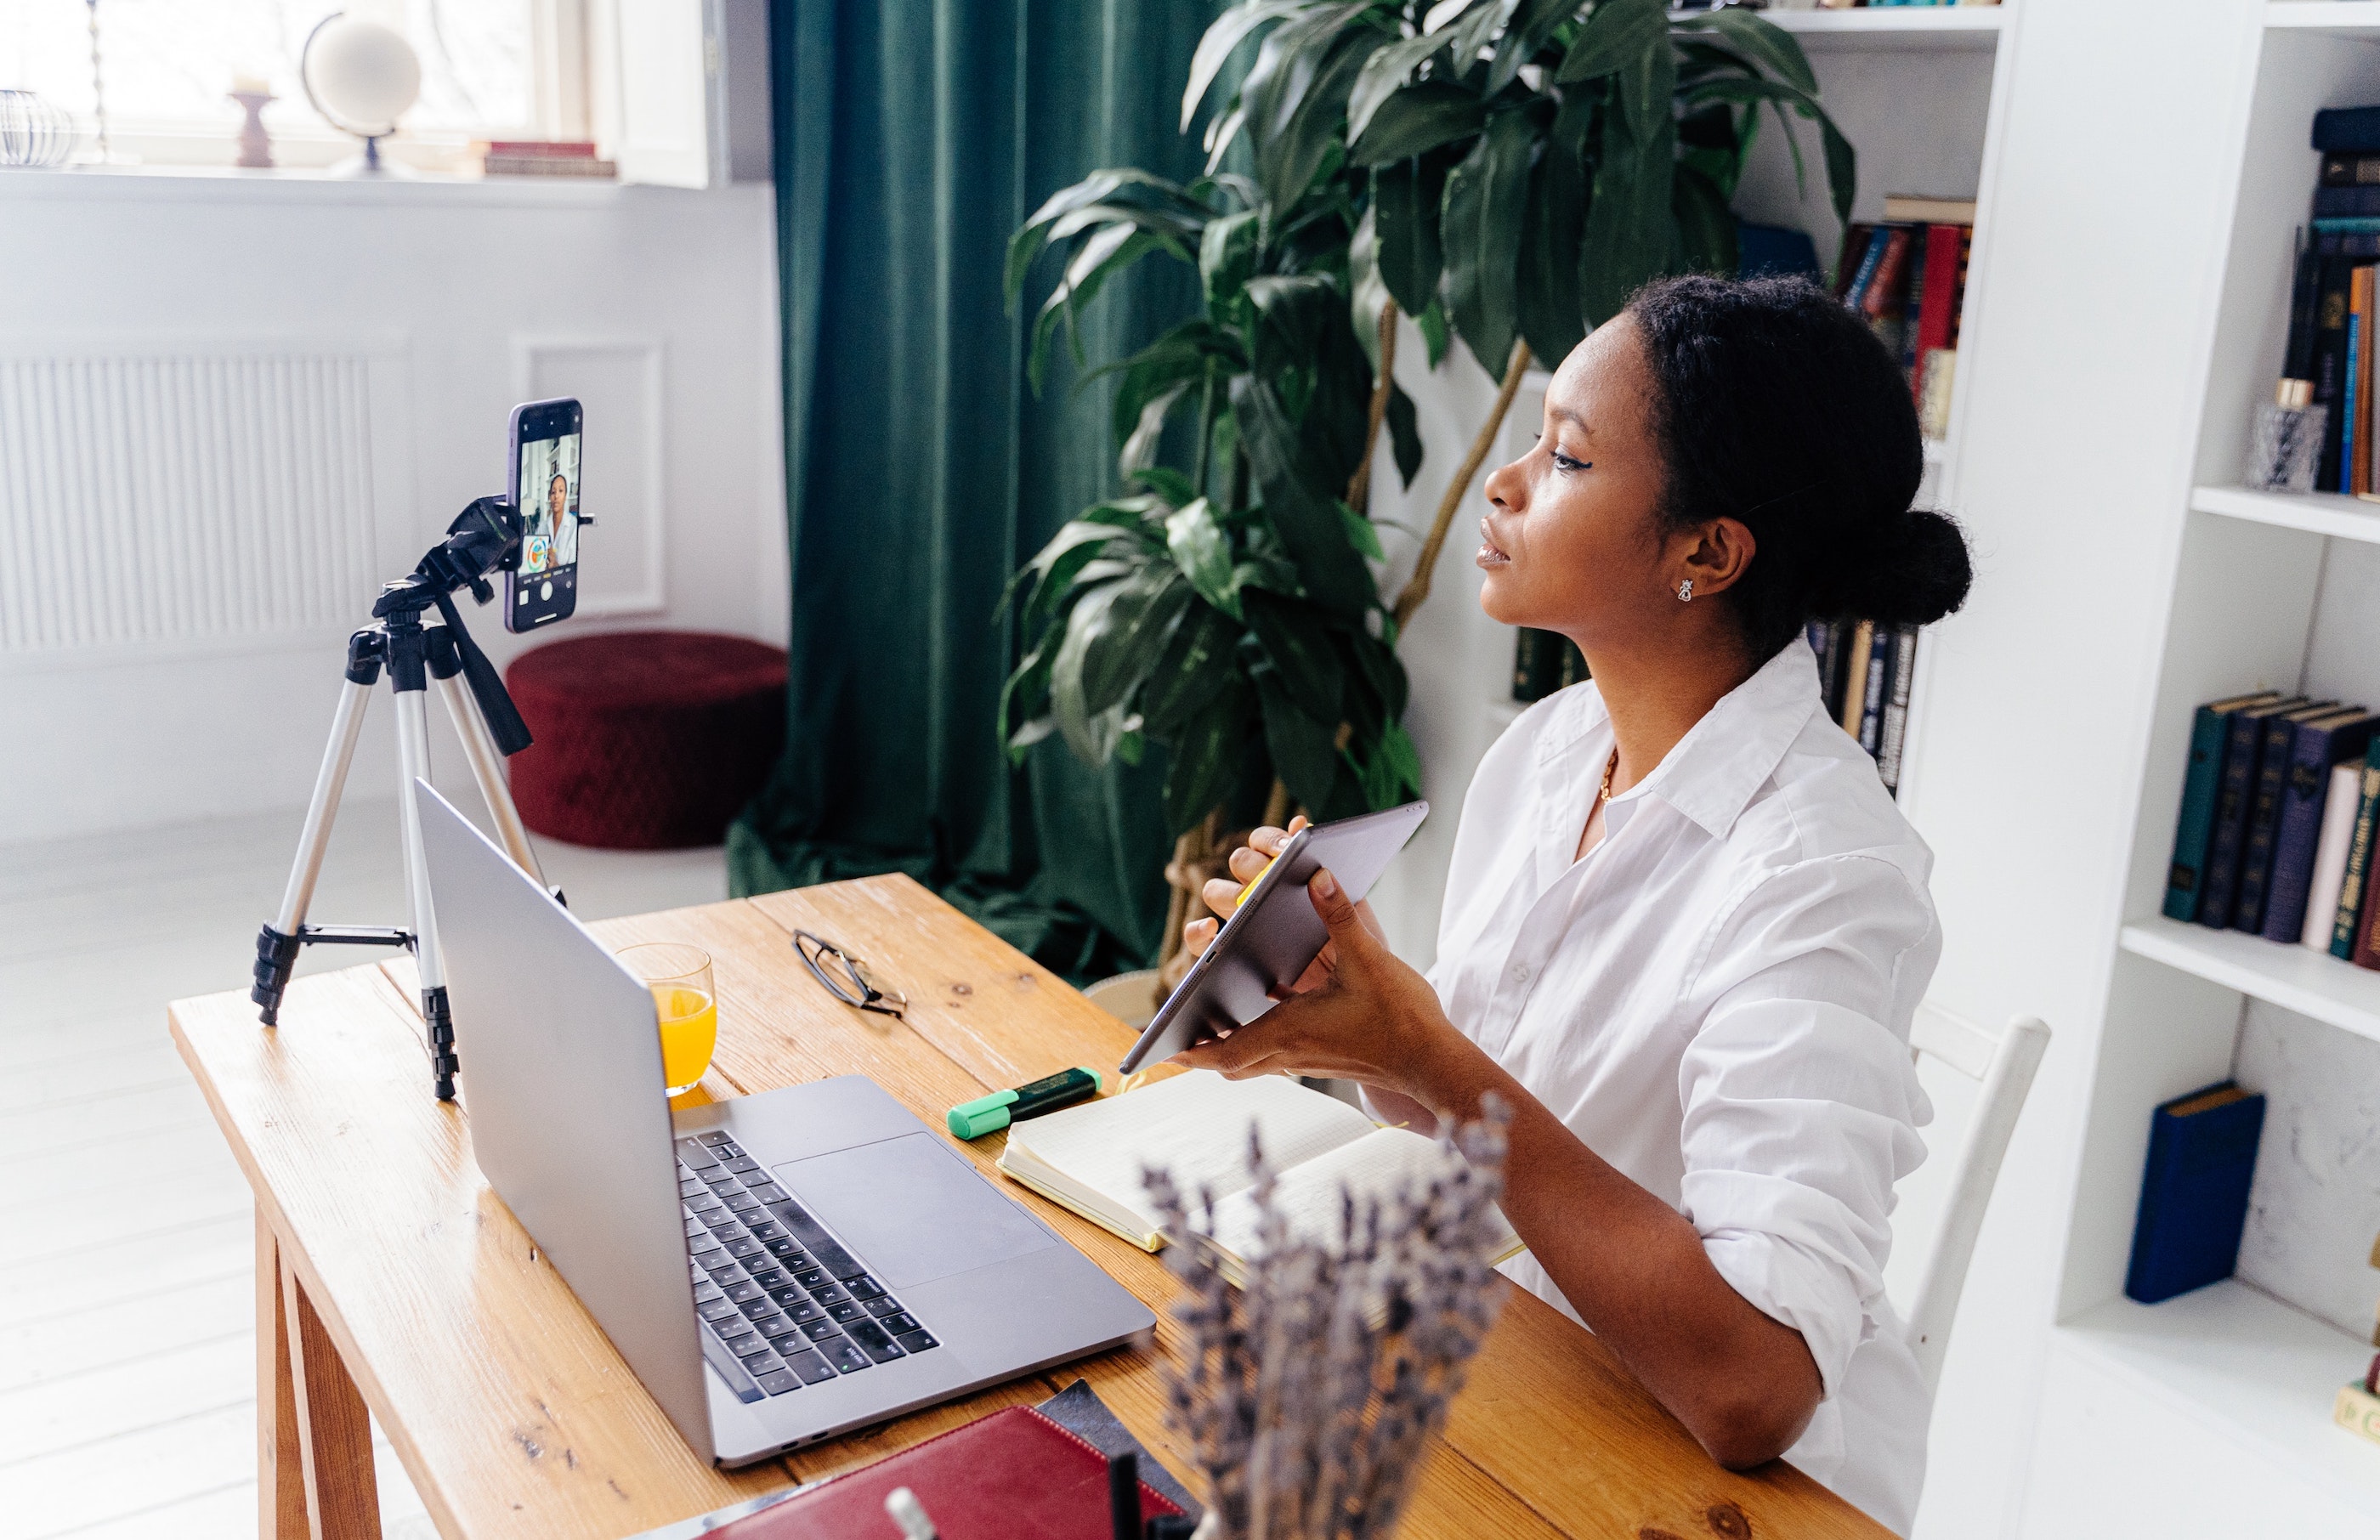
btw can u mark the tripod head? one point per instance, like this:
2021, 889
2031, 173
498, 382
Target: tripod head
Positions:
484, 538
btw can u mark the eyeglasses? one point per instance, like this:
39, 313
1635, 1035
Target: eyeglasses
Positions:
848, 978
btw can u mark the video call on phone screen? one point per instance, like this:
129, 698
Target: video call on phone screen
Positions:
549, 498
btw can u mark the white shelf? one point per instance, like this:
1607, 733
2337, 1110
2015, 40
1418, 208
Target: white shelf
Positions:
2338, 17
2294, 977
2349, 519
1934, 28
2246, 1366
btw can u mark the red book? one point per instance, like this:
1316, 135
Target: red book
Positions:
1959, 303
1015, 1473
1890, 273
558, 149
1937, 303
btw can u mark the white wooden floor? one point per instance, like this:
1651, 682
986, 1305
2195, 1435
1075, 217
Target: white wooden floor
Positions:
127, 1377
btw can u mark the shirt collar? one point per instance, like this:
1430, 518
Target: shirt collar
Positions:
1713, 771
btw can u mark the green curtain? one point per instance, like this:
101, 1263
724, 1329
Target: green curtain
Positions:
911, 137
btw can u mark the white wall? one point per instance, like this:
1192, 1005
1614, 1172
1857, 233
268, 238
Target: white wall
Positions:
657, 307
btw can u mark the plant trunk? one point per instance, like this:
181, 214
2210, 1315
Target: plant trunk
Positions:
1359, 486
1417, 587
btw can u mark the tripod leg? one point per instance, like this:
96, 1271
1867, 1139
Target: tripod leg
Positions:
413, 761
277, 944
488, 771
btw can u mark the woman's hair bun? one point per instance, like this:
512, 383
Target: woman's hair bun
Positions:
1909, 568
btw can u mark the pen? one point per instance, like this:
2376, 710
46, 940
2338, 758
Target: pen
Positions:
973, 1119
909, 1514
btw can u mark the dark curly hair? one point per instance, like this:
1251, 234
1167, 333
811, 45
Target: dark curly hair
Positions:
1775, 405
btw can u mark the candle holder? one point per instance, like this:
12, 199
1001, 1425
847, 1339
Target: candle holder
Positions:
255, 144
2286, 439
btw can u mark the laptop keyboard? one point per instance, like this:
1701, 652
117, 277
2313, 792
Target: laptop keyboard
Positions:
783, 1304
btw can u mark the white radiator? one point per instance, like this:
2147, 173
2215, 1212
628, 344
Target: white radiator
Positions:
184, 496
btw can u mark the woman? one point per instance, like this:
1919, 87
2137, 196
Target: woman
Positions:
1685, 926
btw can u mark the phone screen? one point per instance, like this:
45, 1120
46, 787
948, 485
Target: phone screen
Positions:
544, 588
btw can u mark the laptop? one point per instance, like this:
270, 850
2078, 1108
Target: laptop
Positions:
778, 1269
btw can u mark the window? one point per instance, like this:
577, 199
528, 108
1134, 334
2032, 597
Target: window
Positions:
490, 69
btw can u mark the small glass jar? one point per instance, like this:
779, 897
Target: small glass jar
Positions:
2285, 444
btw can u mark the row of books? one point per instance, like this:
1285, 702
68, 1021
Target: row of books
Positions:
2275, 834
1908, 276
1544, 661
541, 158
2333, 303
1865, 670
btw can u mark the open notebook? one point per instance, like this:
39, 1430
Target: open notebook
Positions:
1089, 1156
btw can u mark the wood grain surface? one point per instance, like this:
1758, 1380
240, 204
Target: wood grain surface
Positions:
514, 1416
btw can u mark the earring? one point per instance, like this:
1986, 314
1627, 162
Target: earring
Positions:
1686, 591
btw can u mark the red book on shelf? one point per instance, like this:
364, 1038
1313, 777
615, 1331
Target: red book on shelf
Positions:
1889, 272
558, 149
1937, 303
1015, 1473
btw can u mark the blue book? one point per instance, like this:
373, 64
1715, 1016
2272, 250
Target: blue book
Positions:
2320, 745
2195, 828
2194, 1192
2244, 737
2265, 810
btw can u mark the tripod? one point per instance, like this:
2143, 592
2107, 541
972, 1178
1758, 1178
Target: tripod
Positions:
485, 538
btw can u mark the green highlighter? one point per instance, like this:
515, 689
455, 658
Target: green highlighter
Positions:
973, 1119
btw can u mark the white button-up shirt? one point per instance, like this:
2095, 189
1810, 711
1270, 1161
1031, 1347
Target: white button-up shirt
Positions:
1717, 1001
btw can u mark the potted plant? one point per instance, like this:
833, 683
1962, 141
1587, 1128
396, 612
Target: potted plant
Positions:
1507, 176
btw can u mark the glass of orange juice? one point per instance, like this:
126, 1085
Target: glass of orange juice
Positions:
679, 976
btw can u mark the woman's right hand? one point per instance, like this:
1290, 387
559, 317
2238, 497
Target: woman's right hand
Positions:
1222, 896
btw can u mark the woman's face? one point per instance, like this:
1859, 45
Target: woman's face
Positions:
557, 496
1569, 542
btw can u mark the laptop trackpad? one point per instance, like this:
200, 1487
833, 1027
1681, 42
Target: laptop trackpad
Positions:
911, 1210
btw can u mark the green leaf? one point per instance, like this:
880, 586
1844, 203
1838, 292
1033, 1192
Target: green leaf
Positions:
1765, 46
1531, 26
1388, 68
1304, 751
1102, 256
1485, 197
1404, 209
1552, 232
1391, 773
1203, 552
1113, 636
1296, 639
1628, 232
1139, 446
1417, 119
1842, 161
1200, 660
1097, 188
1222, 36
1301, 512
1055, 565
1024, 702
1434, 335
1207, 755
1296, 94
1068, 704
1360, 533
1478, 22
1404, 433
1706, 228
1617, 35
1368, 293
1227, 257
1167, 483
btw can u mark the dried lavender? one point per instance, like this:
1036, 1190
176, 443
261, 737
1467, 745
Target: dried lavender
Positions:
1308, 1396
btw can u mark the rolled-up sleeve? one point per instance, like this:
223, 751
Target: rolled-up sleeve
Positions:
1800, 1104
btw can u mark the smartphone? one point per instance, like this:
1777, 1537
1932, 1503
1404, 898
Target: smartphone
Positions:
543, 475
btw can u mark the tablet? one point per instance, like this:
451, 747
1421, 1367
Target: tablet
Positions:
1271, 938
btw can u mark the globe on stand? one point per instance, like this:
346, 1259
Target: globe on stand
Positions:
362, 77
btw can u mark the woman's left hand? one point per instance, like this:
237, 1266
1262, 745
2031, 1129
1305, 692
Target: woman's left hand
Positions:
1374, 1020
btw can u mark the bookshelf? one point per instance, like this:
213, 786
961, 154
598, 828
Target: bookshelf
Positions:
2230, 1386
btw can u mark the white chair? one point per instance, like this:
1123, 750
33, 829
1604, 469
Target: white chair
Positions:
2004, 1063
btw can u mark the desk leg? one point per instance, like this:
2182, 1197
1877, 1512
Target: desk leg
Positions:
280, 1474
315, 1473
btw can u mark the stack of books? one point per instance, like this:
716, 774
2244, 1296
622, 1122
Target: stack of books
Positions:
1866, 671
1908, 277
2332, 310
1544, 661
537, 157
2275, 834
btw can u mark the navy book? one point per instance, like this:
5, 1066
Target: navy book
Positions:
2347, 130
2264, 811
2194, 828
2319, 745
2235, 789
2194, 1192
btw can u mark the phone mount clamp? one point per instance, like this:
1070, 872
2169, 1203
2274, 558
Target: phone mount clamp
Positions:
485, 538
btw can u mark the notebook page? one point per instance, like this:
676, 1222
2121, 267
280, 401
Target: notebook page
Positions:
1196, 1124
1309, 1196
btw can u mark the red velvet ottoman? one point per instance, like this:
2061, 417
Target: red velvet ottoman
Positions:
646, 740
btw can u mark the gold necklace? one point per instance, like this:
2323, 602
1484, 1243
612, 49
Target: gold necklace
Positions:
1604, 795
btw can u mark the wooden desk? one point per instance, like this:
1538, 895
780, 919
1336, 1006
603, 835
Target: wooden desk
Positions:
389, 1276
